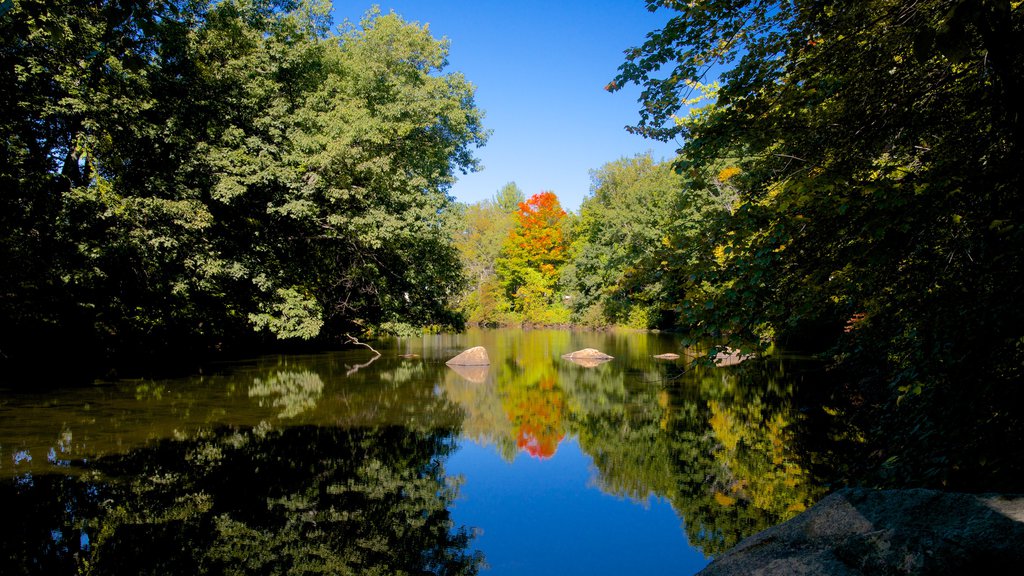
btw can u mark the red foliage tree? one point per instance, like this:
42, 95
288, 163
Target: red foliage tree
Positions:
538, 234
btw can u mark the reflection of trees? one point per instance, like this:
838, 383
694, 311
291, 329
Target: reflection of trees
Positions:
305, 500
75, 425
618, 426
738, 468
293, 392
531, 396
718, 443
535, 411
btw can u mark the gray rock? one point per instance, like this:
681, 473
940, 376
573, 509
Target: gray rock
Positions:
473, 357
887, 532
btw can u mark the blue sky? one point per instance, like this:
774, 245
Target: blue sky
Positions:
540, 69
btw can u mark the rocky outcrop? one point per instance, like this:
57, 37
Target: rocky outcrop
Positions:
473, 357
887, 532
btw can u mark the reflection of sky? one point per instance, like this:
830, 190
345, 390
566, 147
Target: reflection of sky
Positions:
546, 517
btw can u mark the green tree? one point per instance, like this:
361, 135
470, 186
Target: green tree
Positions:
479, 239
876, 203
181, 173
509, 198
615, 273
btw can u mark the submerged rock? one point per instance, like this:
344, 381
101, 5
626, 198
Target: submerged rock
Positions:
667, 356
473, 357
859, 532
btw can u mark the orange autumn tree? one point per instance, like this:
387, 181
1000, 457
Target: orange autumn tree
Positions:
531, 259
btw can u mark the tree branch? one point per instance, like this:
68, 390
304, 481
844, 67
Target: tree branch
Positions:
353, 340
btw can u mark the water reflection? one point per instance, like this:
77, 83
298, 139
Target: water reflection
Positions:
718, 443
262, 501
302, 463
293, 392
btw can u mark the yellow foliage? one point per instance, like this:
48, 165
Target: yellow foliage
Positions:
726, 173
724, 426
724, 500
719, 253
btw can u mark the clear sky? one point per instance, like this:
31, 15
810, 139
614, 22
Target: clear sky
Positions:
540, 68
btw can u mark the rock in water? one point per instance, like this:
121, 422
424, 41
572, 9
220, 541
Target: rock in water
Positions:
667, 356
588, 357
473, 357
587, 354
860, 532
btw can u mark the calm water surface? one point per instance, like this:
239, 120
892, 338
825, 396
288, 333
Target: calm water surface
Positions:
341, 463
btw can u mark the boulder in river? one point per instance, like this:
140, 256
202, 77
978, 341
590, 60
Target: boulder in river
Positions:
587, 353
667, 356
476, 356
858, 531
588, 357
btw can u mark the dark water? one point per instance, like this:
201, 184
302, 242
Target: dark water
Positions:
341, 464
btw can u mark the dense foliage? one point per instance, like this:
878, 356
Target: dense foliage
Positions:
635, 211
515, 252
204, 174
872, 150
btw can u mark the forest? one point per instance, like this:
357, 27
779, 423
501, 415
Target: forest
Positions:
195, 178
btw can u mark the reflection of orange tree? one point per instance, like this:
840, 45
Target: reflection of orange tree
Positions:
531, 397
536, 412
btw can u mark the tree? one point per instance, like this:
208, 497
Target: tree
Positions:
479, 239
876, 206
531, 258
615, 273
181, 173
509, 198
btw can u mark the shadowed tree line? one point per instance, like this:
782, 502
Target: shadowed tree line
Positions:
867, 160
197, 176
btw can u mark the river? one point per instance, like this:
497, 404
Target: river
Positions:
343, 462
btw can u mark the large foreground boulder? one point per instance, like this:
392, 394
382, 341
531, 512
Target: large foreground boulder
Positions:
887, 532
476, 356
